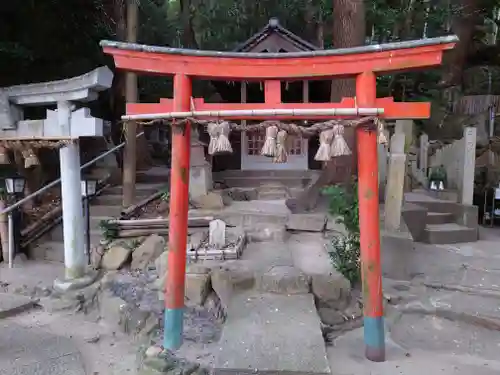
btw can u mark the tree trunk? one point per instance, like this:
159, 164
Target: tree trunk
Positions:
464, 27
130, 151
348, 31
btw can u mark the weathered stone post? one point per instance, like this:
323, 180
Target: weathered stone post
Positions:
383, 157
424, 153
395, 182
200, 170
468, 166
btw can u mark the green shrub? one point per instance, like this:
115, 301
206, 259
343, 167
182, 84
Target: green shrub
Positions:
344, 250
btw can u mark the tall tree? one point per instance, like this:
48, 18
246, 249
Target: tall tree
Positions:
349, 30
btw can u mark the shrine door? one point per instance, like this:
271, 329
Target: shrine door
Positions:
251, 159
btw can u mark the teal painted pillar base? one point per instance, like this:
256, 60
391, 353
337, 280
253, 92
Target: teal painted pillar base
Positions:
374, 338
173, 327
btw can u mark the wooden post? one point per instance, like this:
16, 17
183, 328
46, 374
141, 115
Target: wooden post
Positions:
369, 226
130, 151
179, 198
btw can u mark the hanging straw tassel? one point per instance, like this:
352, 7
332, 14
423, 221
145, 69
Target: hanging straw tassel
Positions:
30, 158
325, 142
223, 146
213, 132
382, 139
4, 156
339, 145
270, 149
281, 152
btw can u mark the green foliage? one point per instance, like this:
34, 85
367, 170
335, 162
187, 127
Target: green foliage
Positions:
109, 229
344, 204
165, 194
345, 249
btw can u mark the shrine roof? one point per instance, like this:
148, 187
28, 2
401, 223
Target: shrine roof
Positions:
274, 27
281, 55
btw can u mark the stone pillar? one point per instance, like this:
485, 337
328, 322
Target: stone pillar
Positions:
468, 165
395, 182
71, 192
406, 127
424, 153
200, 170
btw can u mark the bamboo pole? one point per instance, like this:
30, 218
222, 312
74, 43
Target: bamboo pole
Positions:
257, 112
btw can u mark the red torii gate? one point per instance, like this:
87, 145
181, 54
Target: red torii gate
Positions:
360, 62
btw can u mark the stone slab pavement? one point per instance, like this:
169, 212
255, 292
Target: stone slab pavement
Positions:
271, 333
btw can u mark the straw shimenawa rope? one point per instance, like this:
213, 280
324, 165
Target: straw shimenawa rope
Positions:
329, 148
382, 139
4, 156
14, 144
30, 158
270, 148
281, 151
339, 145
213, 132
325, 142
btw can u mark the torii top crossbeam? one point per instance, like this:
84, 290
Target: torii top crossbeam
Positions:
273, 67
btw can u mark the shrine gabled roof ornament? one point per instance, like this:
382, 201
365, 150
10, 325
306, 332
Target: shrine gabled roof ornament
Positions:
274, 28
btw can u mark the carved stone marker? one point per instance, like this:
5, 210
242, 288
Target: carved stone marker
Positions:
469, 164
217, 234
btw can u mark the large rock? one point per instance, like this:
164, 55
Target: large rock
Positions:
332, 225
115, 257
231, 276
306, 222
149, 250
161, 265
283, 280
262, 232
197, 287
331, 290
210, 201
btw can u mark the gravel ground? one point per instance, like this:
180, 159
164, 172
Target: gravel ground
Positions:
201, 328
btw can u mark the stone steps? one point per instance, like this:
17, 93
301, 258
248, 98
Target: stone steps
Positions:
449, 233
439, 218
142, 189
285, 336
251, 181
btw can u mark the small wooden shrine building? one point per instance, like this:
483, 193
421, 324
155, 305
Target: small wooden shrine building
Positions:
273, 38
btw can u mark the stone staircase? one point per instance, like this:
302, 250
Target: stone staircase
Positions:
249, 179
442, 229
106, 206
438, 221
